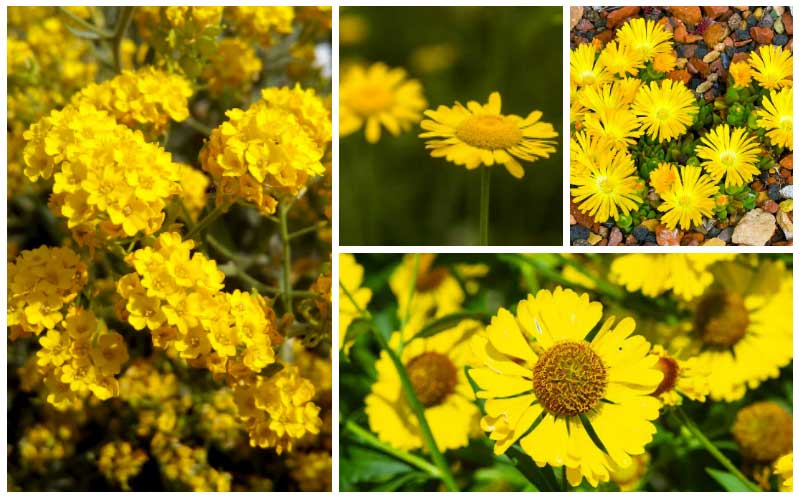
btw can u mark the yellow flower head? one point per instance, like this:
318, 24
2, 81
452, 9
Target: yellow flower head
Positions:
588, 151
741, 74
772, 67
583, 403
119, 462
608, 188
764, 431
475, 135
234, 65
352, 298
665, 109
680, 379
620, 60
629, 479
664, 62
313, 471
199, 18
260, 23
687, 275
601, 98
784, 469
688, 199
646, 37
378, 95
309, 109
776, 117
585, 69
731, 153
436, 290
618, 126
662, 177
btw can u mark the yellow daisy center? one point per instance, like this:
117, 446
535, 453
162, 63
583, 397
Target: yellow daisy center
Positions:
569, 379
662, 114
764, 431
727, 158
786, 123
433, 377
606, 184
721, 319
588, 78
670, 370
430, 280
489, 132
372, 99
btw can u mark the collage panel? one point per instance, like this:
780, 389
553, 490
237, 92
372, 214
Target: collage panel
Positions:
557, 372
450, 121
681, 126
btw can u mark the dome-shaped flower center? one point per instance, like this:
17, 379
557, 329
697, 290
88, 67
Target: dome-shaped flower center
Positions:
430, 280
670, 370
663, 114
605, 184
372, 99
489, 132
685, 200
588, 78
433, 377
727, 158
786, 124
764, 431
721, 318
569, 379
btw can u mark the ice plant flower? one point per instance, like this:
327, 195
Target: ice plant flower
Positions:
352, 297
687, 275
587, 151
619, 126
646, 37
585, 69
607, 189
772, 67
662, 177
435, 367
475, 135
689, 199
776, 117
764, 432
729, 153
741, 74
620, 60
665, 109
601, 98
378, 95
569, 397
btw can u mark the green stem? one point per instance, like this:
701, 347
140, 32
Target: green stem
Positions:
418, 410
714, 451
184, 213
239, 272
103, 34
411, 290
207, 220
307, 229
285, 280
366, 437
197, 126
485, 184
123, 22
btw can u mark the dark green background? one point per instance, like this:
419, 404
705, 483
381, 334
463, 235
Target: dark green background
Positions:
393, 192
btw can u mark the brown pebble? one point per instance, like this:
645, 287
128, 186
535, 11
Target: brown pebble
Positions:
787, 162
617, 17
787, 21
770, 206
681, 75
604, 36
615, 236
699, 66
715, 33
689, 15
666, 236
762, 36
715, 12
740, 56
757, 186
742, 43
692, 239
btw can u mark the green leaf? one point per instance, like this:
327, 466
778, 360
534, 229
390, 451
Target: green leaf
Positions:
359, 326
728, 481
401, 481
366, 465
446, 322
494, 478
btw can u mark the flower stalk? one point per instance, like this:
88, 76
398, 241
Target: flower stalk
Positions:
485, 184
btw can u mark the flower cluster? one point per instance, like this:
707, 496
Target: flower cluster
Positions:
119, 462
261, 23
234, 64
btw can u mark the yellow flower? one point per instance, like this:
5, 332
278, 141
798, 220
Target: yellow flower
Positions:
352, 298
664, 62
234, 65
618, 126
200, 17
119, 462
585, 69
772, 67
193, 185
665, 109
260, 23
608, 188
687, 275
475, 135
689, 199
588, 151
620, 60
306, 106
784, 469
629, 479
741, 74
378, 95
680, 379
776, 116
570, 402
601, 98
646, 37
764, 432
436, 292
313, 471
435, 366
731, 153
663, 177
109, 353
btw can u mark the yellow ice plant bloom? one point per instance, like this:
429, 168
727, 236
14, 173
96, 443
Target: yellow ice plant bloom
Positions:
313, 471
378, 95
306, 106
435, 366
663, 177
620, 60
40, 283
741, 74
646, 37
475, 135
772, 67
261, 23
687, 275
664, 62
783, 468
619, 126
600, 98
629, 479
585, 69
607, 189
352, 297
730, 153
665, 109
119, 462
234, 65
569, 401
435, 290
260, 153
681, 378
689, 199
764, 432
588, 151
776, 117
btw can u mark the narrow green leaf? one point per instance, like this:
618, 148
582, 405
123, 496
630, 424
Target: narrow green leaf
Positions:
727, 480
446, 322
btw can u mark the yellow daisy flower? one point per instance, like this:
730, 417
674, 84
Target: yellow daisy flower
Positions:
569, 399
729, 152
688, 199
665, 109
662, 177
378, 95
350, 275
772, 67
680, 379
608, 188
764, 432
620, 126
664, 62
619, 59
777, 117
586, 151
437, 292
629, 479
646, 37
627, 88
599, 98
475, 135
585, 69
784, 469
687, 275
435, 367
741, 74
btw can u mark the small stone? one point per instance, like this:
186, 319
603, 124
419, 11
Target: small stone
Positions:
710, 57
755, 228
780, 40
581, 242
740, 57
787, 21
689, 15
734, 21
778, 11
770, 206
651, 238
688, 51
705, 86
650, 224
681, 75
779, 27
787, 192
787, 161
715, 33
742, 35
725, 235
774, 192
680, 32
696, 65
585, 25
692, 239
714, 242
582, 218
701, 52
786, 224
578, 232
575, 14
715, 12
616, 237
604, 36
665, 236
758, 13
787, 205
762, 36
640, 232
618, 16
593, 239
766, 22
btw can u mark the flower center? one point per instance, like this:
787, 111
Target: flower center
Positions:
430, 280
727, 158
489, 132
372, 99
662, 114
786, 124
569, 379
433, 377
605, 185
671, 371
721, 319
588, 78
764, 431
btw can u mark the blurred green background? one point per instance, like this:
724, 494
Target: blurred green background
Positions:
393, 192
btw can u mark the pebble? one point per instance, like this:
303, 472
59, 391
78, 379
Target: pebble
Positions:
734, 21
787, 21
766, 22
578, 232
786, 224
700, 52
762, 36
640, 232
616, 236
705, 86
779, 27
742, 35
755, 228
714, 242
575, 14
770, 206
618, 16
593, 238
715, 33
585, 25
725, 235
692, 239
689, 15
774, 192
581, 243
787, 192
780, 40
665, 236
715, 12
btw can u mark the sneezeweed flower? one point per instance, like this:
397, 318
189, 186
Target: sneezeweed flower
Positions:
772, 67
629, 479
435, 366
687, 275
233, 66
741, 74
689, 199
475, 135
730, 154
618, 126
585, 69
646, 37
607, 189
436, 292
776, 117
681, 378
663, 177
665, 109
378, 95
568, 398
352, 297
783, 468
119, 462
764, 432
620, 60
